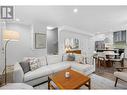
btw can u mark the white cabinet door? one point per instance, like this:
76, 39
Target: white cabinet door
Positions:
119, 36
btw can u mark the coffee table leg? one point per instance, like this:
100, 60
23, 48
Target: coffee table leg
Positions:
48, 83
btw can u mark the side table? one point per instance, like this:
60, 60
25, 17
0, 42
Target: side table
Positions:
9, 73
1, 80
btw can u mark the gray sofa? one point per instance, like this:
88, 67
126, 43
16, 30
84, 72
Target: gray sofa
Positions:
54, 64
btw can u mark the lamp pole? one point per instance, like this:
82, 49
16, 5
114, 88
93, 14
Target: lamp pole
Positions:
6, 43
8, 36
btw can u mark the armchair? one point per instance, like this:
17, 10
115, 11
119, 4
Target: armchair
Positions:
120, 74
121, 60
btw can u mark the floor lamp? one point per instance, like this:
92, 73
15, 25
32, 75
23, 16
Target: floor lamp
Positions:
8, 36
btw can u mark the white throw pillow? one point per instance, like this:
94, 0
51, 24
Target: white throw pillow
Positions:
43, 61
68, 57
64, 57
33, 62
80, 58
53, 59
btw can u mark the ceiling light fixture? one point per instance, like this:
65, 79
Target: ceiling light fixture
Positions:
75, 10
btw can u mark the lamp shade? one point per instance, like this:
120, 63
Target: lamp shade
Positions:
11, 35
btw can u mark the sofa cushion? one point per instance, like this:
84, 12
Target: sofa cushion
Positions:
64, 57
71, 57
121, 75
53, 59
38, 73
34, 63
68, 57
58, 67
43, 61
69, 62
80, 58
82, 67
25, 66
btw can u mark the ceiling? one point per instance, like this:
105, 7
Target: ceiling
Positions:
93, 19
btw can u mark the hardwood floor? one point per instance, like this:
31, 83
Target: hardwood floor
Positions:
107, 72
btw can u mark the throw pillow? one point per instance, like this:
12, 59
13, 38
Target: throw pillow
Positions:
80, 58
33, 62
25, 66
64, 57
42, 61
71, 57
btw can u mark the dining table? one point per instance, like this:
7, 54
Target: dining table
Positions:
111, 55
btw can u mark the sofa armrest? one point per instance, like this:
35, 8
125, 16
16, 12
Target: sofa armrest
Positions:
18, 74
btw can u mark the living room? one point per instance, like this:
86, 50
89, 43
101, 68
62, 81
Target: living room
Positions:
61, 40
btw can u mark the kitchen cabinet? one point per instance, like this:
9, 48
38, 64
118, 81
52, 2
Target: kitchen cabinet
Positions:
119, 36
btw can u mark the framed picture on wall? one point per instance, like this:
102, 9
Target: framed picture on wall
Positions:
72, 43
40, 41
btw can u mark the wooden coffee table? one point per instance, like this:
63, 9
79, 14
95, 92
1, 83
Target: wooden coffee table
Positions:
75, 81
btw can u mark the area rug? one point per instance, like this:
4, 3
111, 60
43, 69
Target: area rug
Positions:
97, 83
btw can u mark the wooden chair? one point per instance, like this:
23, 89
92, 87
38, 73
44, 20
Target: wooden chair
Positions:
102, 59
120, 74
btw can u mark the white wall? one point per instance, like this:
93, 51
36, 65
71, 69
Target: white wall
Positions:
18, 50
86, 44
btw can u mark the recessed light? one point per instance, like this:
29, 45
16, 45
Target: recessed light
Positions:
75, 10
